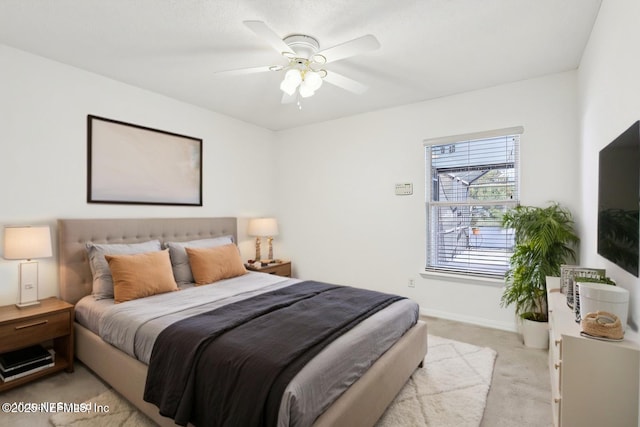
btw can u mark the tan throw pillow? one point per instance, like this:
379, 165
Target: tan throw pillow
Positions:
102, 280
180, 260
141, 275
209, 265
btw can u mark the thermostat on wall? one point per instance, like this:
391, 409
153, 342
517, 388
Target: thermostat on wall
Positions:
404, 189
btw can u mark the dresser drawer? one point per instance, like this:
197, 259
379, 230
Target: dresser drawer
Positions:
22, 333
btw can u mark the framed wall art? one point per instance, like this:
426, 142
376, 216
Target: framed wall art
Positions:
133, 164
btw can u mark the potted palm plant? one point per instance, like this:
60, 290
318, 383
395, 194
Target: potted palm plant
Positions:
544, 240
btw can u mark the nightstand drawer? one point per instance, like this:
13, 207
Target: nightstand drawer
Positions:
33, 330
280, 270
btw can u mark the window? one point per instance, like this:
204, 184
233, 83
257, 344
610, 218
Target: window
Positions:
471, 181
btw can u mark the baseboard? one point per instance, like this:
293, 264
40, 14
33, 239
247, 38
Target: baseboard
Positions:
504, 326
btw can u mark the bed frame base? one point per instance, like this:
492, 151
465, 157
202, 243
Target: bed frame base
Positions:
362, 404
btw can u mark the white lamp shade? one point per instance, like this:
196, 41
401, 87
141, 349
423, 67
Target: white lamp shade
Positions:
313, 80
292, 79
27, 242
306, 90
263, 227
288, 88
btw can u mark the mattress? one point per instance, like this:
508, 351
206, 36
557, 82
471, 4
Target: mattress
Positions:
133, 327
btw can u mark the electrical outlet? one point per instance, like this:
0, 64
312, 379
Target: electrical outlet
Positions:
412, 284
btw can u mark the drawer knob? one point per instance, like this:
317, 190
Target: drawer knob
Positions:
557, 342
31, 325
556, 400
556, 365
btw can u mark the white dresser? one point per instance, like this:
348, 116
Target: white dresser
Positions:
593, 383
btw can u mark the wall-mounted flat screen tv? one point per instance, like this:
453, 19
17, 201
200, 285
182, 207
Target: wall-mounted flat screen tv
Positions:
618, 199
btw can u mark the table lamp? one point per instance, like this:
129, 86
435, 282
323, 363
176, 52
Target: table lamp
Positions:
263, 227
27, 243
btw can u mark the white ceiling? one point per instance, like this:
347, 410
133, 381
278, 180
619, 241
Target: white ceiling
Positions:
429, 48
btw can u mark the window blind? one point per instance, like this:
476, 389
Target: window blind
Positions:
471, 181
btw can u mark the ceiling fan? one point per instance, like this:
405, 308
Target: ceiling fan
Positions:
304, 72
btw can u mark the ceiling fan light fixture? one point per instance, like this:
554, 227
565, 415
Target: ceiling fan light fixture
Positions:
294, 76
305, 59
305, 90
288, 87
313, 80
292, 80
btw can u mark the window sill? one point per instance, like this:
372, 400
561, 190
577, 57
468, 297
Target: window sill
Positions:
477, 280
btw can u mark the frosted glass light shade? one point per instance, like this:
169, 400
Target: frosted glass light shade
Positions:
292, 79
305, 90
313, 80
27, 242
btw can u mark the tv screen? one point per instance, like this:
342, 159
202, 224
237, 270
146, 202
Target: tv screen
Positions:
618, 198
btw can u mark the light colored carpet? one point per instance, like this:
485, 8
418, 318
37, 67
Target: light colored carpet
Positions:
451, 390
118, 413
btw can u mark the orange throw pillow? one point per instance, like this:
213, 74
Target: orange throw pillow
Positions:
209, 265
141, 275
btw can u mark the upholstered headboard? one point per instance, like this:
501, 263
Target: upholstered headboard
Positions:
74, 272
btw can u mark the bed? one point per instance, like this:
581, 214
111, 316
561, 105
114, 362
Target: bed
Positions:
361, 404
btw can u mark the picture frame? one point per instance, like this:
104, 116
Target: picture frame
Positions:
133, 164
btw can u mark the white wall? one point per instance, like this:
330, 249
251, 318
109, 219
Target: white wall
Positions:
341, 221
331, 185
609, 102
43, 171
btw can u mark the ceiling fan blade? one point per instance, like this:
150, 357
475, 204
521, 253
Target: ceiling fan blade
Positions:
351, 48
262, 30
243, 71
345, 83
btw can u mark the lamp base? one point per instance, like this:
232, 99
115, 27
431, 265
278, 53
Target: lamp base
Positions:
27, 304
270, 240
28, 284
257, 249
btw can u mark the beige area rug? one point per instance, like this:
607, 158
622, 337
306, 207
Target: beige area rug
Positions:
120, 414
451, 390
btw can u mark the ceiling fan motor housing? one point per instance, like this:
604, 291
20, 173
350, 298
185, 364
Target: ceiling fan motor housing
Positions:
304, 46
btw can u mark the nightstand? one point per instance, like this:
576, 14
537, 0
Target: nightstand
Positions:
279, 269
50, 323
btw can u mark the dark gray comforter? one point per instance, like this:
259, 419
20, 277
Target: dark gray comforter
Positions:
231, 365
